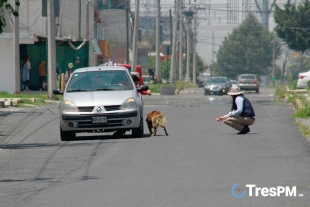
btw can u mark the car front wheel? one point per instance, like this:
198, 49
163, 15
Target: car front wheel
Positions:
138, 132
66, 136
257, 90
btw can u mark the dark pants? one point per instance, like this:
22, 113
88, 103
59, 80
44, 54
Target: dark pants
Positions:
25, 83
41, 82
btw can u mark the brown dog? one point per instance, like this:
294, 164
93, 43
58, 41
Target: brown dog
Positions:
154, 120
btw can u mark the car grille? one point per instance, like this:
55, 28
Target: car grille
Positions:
112, 108
215, 88
91, 108
89, 124
86, 109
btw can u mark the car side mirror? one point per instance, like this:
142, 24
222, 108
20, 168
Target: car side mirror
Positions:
143, 88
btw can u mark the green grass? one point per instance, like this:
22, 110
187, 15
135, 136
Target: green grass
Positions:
24, 102
38, 96
280, 92
304, 129
304, 110
155, 87
32, 99
178, 85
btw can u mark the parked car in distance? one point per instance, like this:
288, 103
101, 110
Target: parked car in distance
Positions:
248, 82
201, 80
100, 99
217, 85
303, 78
146, 79
234, 83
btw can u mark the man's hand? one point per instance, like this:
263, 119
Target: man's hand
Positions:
222, 118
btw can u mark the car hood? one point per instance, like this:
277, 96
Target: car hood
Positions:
96, 98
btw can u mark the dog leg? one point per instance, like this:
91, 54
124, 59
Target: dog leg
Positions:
166, 131
150, 129
155, 130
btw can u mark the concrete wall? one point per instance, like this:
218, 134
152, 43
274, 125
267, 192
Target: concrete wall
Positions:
31, 20
7, 77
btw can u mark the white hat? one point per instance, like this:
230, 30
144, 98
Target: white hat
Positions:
235, 91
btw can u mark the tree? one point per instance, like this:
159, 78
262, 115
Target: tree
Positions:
248, 49
5, 6
294, 68
293, 25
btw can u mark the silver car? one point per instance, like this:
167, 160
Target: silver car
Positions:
248, 82
101, 99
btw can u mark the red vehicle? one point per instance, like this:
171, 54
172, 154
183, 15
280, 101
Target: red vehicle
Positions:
138, 70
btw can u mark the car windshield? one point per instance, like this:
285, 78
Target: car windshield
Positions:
247, 77
99, 81
216, 80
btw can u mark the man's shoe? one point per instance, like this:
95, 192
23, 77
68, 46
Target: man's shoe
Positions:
245, 130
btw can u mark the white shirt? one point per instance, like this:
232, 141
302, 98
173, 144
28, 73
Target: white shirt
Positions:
239, 103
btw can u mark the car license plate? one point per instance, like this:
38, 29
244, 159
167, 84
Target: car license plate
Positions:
99, 119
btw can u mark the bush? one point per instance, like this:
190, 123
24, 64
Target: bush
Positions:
280, 91
294, 84
308, 84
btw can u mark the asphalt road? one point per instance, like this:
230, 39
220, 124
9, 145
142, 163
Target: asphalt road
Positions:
196, 165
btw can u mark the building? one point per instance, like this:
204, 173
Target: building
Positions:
72, 44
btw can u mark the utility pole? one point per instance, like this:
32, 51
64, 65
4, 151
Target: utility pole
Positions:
265, 13
135, 37
212, 46
157, 70
194, 46
171, 32
174, 40
127, 31
90, 44
188, 48
80, 21
181, 41
274, 60
27, 16
16, 53
51, 71
284, 63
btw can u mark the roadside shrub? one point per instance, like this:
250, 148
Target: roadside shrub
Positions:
280, 91
294, 84
308, 84
304, 110
182, 84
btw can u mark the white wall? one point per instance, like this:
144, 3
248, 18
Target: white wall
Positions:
7, 76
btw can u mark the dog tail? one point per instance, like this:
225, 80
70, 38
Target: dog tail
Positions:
159, 120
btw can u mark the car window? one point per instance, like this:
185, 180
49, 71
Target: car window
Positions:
145, 79
247, 77
99, 80
217, 80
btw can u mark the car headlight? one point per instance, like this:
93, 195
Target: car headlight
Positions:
129, 103
69, 106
